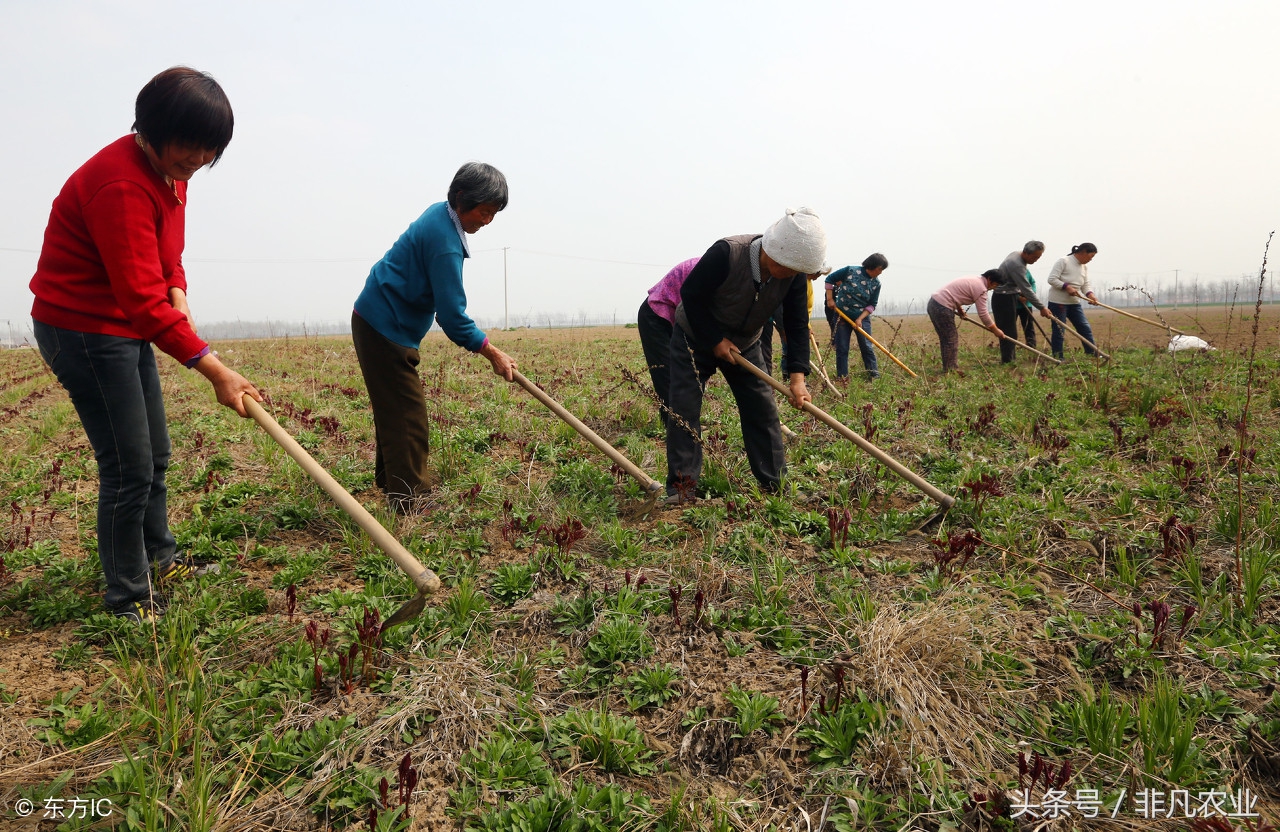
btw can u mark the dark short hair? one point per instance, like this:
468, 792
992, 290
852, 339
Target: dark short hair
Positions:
994, 276
876, 261
184, 106
1087, 248
476, 183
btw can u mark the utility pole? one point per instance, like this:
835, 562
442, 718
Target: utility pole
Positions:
506, 319
1175, 288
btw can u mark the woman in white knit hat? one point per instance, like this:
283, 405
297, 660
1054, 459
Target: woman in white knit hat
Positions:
736, 286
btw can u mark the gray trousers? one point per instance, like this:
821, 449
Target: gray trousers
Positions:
691, 369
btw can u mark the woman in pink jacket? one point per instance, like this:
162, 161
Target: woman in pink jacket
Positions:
950, 301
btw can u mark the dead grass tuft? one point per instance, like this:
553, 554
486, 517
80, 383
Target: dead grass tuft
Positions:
926, 666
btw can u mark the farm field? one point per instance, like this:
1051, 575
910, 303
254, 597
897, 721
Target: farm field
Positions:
1094, 627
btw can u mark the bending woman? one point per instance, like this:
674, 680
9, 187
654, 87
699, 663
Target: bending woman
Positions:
950, 301
108, 285
416, 283
1068, 282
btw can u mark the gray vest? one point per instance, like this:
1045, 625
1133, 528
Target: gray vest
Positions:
738, 307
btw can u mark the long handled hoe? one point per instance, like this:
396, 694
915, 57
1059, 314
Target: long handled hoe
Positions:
1165, 327
652, 487
881, 347
1032, 312
822, 371
1015, 341
1084, 340
940, 497
423, 578
1070, 329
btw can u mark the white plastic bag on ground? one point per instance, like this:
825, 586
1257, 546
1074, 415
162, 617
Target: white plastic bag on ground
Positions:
1187, 342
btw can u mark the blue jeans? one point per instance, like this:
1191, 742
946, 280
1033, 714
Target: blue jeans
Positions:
844, 333
1075, 313
115, 387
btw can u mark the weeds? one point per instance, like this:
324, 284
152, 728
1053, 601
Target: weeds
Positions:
953, 552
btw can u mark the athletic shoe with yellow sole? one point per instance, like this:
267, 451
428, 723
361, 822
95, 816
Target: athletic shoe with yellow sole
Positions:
183, 567
138, 612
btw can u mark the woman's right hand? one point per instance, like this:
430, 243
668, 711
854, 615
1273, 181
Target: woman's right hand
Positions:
228, 385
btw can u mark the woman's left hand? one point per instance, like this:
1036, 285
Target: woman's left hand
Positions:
178, 298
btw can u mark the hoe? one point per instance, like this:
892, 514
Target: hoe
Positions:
652, 487
423, 578
940, 497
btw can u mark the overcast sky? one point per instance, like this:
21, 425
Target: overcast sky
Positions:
635, 135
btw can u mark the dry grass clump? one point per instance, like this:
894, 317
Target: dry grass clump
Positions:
449, 703
926, 665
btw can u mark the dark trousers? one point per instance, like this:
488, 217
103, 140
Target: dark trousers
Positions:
1027, 317
1004, 308
691, 368
766, 345
115, 387
1073, 312
943, 319
844, 334
655, 341
832, 318
399, 415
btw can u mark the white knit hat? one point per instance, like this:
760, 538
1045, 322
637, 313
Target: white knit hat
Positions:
797, 241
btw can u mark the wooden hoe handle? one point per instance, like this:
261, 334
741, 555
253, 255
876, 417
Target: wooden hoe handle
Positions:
1009, 339
881, 347
423, 578
648, 482
942, 498
1140, 318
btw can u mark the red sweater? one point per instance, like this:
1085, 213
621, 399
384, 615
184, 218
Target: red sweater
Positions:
113, 249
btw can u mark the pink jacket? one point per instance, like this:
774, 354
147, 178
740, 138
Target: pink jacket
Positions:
963, 291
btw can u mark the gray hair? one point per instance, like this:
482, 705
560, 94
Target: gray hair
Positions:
875, 261
1033, 247
476, 183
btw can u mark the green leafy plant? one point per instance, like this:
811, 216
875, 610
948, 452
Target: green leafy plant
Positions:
652, 687
71, 726
503, 762
1101, 722
609, 742
836, 736
1166, 732
619, 639
753, 711
574, 613
513, 581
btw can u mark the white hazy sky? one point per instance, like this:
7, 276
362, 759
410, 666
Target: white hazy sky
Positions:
635, 135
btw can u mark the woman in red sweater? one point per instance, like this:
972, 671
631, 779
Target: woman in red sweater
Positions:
108, 285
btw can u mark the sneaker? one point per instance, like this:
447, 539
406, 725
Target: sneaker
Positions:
138, 612
183, 567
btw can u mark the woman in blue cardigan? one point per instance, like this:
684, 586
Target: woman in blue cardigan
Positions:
416, 283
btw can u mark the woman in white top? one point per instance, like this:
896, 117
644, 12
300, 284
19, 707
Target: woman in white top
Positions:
1068, 282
